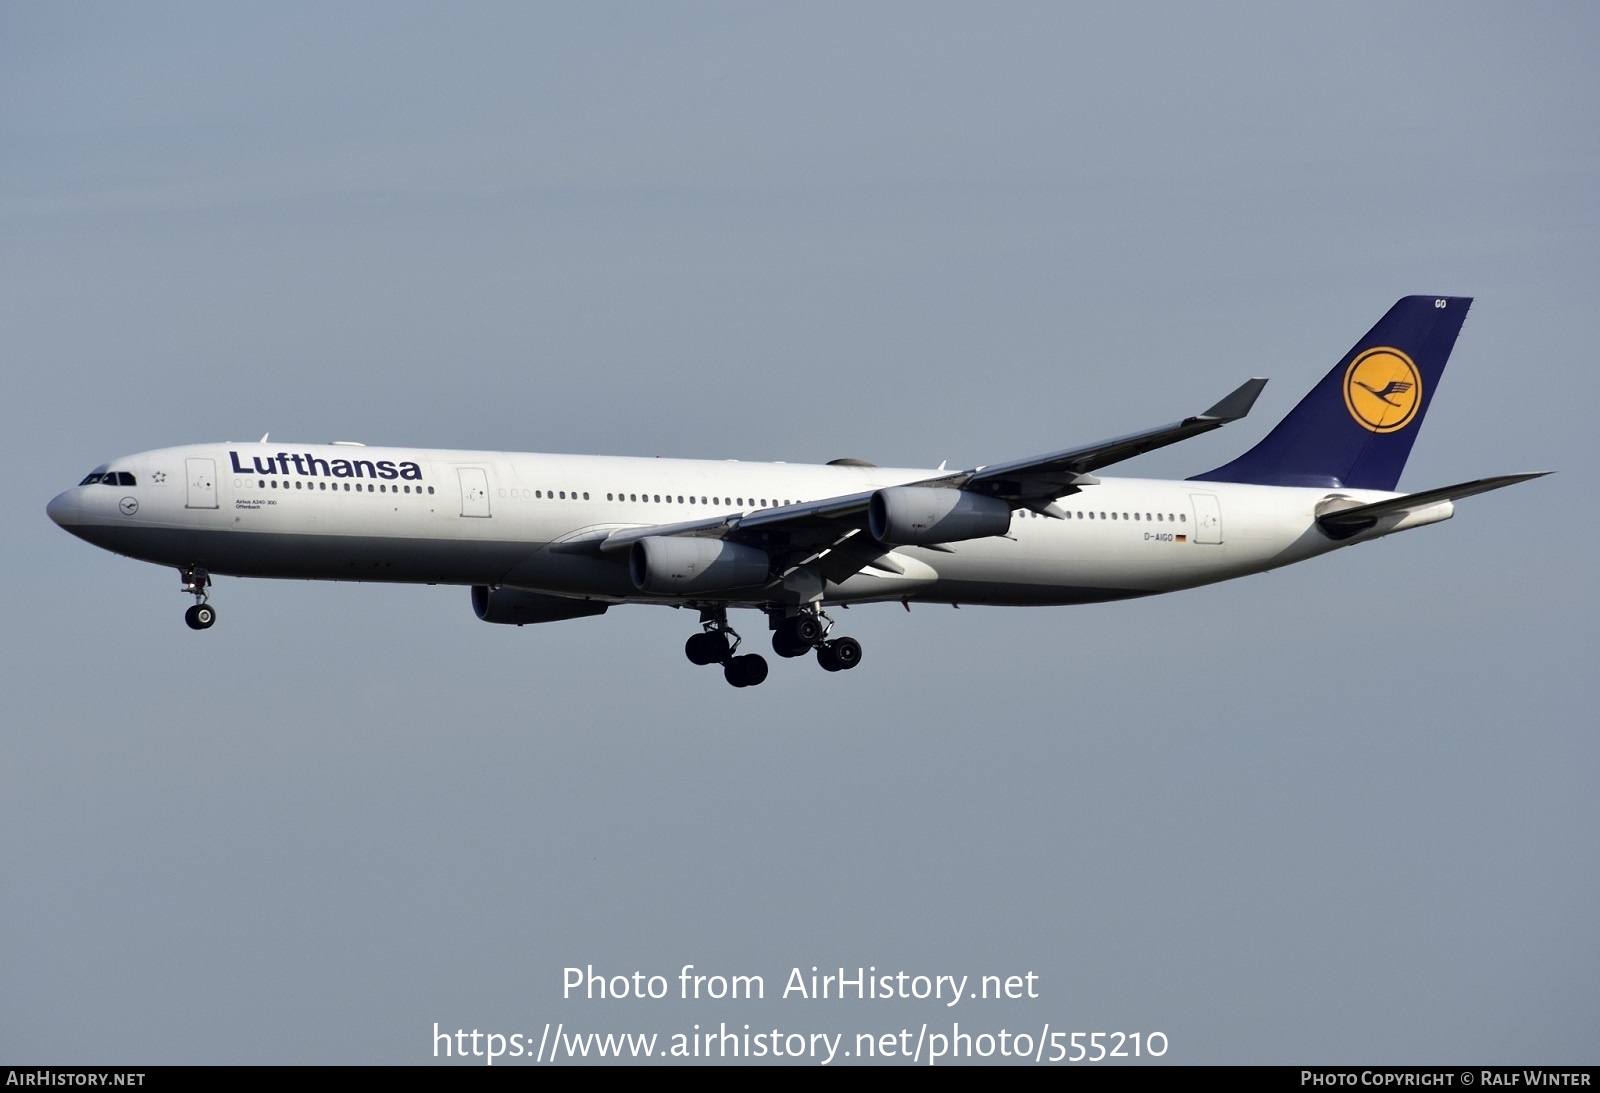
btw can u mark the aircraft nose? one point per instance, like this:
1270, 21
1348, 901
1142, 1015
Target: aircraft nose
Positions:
63, 508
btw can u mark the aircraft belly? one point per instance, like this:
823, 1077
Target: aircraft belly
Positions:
314, 556
1053, 564
572, 574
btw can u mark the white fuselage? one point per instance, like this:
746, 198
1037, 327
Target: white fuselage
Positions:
345, 512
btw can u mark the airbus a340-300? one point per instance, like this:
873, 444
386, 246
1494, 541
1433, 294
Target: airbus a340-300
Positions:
542, 538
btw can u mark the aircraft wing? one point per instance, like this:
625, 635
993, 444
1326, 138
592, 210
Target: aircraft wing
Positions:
1030, 483
1044, 478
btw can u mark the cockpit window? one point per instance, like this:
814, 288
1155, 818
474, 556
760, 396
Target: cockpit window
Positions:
91, 480
110, 478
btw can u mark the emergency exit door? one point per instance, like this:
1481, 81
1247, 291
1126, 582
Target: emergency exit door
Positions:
202, 478
474, 491
1207, 518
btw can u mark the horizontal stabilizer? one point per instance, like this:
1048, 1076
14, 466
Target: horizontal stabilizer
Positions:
1345, 522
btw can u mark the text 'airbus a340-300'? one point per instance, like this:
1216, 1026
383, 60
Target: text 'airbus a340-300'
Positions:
542, 538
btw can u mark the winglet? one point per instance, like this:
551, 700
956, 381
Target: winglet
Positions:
1237, 404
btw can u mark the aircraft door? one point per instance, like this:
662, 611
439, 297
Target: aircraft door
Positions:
1207, 518
474, 491
202, 479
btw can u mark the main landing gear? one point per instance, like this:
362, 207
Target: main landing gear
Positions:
202, 616
717, 643
794, 636
797, 635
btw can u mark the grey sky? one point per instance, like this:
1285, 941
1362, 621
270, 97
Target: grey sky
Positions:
1340, 812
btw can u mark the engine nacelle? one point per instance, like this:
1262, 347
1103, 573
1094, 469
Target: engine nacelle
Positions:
512, 605
669, 564
919, 515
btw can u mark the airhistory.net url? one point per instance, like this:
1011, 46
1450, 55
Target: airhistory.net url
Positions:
917, 1046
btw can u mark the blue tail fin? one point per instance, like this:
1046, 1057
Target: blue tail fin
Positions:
1355, 429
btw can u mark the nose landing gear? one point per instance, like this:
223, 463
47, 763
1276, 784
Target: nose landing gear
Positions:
202, 616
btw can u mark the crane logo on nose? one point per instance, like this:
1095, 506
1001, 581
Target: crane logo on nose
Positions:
128, 506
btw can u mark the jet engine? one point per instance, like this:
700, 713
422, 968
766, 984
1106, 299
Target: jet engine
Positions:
513, 605
663, 563
920, 515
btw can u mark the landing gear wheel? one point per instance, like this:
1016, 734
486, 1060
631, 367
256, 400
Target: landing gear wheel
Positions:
200, 617
710, 647
807, 629
846, 653
746, 671
839, 655
797, 635
786, 646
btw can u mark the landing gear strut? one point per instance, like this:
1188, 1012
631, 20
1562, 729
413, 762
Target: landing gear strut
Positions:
195, 582
716, 644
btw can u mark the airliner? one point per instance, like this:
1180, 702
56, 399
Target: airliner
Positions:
543, 538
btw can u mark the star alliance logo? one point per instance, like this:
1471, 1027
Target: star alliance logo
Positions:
1382, 390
